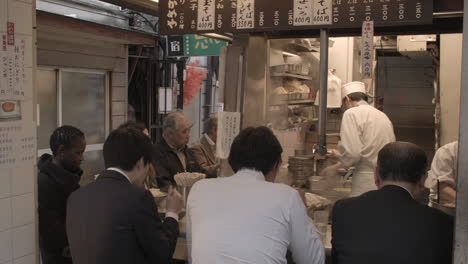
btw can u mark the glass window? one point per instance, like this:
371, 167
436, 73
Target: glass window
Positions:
86, 93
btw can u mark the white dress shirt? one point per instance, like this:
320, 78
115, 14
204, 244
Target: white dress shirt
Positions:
244, 219
443, 168
168, 214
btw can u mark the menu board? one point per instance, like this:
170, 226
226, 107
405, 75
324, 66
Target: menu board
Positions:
180, 17
17, 144
228, 129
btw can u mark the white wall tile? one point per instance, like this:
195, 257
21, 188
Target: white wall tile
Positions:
23, 209
119, 79
20, 13
3, 15
5, 246
117, 121
5, 183
119, 108
29, 259
5, 214
24, 240
23, 180
119, 94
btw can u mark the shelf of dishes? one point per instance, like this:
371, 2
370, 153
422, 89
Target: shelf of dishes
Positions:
292, 75
291, 99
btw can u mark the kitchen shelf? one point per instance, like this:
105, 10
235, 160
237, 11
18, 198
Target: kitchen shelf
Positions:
300, 102
303, 77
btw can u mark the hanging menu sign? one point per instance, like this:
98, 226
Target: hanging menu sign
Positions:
180, 17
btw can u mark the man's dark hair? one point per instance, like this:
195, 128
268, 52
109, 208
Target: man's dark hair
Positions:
255, 148
402, 161
124, 147
133, 124
358, 96
67, 136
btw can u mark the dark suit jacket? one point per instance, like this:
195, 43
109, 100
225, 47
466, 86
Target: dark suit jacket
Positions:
167, 164
112, 221
387, 227
205, 157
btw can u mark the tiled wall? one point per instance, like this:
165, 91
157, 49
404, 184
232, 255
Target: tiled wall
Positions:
17, 185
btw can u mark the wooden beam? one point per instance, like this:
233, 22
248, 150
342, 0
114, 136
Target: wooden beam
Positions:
60, 23
145, 6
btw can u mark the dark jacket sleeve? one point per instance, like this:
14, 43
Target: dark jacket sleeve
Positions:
52, 211
336, 217
158, 239
163, 173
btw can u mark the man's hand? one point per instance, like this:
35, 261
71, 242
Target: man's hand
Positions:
333, 154
174, 201
330, 170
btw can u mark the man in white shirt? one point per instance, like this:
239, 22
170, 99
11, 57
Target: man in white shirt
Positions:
247, 218
442, 178
364, 132
115, 221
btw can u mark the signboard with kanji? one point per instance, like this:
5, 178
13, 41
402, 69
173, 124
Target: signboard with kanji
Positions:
193, 45
367, 51
180, 17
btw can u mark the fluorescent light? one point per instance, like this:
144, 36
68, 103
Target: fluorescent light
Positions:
290, 54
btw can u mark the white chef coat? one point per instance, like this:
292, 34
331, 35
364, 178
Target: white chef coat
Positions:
244, 219
364, 132
443, 168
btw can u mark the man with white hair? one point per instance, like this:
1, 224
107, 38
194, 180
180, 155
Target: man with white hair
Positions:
171, 154
364, 132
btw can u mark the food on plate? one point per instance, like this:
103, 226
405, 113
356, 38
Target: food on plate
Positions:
8, 107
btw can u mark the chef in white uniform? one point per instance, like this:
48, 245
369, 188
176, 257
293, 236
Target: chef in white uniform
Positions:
364, 132
442, 178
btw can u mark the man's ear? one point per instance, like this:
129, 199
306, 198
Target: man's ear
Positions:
377, 179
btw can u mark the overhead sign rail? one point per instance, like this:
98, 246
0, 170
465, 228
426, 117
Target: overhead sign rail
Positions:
180, 17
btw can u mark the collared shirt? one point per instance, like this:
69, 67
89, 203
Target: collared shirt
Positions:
168, 214
256, 222
364, 132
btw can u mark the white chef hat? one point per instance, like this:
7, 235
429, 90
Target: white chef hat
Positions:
353, 87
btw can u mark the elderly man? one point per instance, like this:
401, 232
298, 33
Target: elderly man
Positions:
171, 154
257, 221
389, 226
364, 132
205, 149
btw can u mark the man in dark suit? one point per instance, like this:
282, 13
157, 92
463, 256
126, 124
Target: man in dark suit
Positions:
389, 225
171, 154
114, 221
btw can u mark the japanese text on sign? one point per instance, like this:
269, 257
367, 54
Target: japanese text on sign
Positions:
12, 70
206, 15
245, 14
228, 129
17, 144
367, 49
302, 12
172, 18
322, 12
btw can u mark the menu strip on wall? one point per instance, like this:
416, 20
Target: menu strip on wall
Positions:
180, 17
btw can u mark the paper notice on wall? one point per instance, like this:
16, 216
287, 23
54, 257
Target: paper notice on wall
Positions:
367, 51
12, 66
245, 14
228, 129
206, 15
17, 144
322, 12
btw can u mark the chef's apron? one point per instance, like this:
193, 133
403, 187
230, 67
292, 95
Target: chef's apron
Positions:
362, 182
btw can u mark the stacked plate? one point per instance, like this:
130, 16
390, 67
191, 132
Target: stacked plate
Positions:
301, 168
